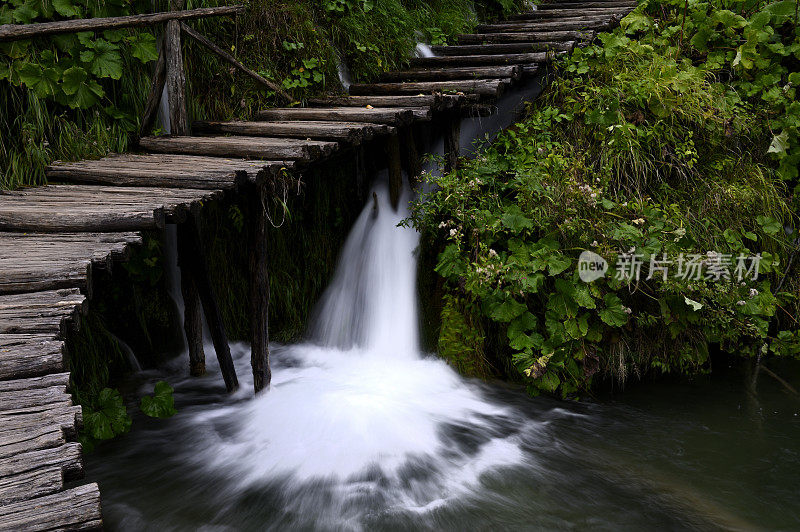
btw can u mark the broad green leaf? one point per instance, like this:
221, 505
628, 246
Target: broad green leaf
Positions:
107, 62
65, 8
514, 220
110, 419
5, 71
614, 313
143, 48
507, 310
770, 225
43, 81
161, 404
73, 78
779, 143
549, 381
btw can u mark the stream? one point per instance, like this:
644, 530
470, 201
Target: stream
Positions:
363, 431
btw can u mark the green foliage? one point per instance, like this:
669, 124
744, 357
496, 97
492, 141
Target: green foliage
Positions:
161, 404
638, 146
104, 418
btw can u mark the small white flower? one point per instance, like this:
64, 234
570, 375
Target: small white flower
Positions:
594, 243
593, 195
740, 303
492, 253
753, 293
453, 232
625, 204
627, 310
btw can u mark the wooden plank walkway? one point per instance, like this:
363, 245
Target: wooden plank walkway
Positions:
53, 237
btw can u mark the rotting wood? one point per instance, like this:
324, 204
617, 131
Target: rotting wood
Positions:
39, 313
232, 60
240, 146
259, 294
513, 72
378, 115
30, 485
15, 32
486, 87
192, 261
395, 164
74, 509
504, 48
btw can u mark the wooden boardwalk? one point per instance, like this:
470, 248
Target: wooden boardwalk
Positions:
53, 237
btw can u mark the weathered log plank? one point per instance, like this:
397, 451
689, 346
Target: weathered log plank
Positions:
466, 61
255, 147
531, 36
33, 261
351, 132
513, 72
175, 80
434, 101
43, 398
32, 383
74, 509
489, 88
38, 312
25, 355
68, 419
377, 115
504, 48
165, 170
15, 32
558, 25
67, 457
30, 485
588, 5
559, 13
18, 441
259, 294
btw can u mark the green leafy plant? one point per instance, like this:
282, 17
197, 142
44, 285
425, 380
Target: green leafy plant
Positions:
161, 404
105, 418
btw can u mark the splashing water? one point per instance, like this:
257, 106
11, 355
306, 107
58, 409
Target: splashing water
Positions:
344, 75
423, 50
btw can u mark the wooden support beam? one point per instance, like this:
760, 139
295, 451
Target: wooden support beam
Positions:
449, 73
200, 38
504, 48
394, 160
259, 295
410, 156
192, 321
16, 32
156, 90
452, 141
192, 260
484, 87
531, 36
474, 61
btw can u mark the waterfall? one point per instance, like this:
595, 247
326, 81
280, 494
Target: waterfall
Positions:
344, 75
423, 50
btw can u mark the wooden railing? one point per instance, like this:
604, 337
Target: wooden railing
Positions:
169, 69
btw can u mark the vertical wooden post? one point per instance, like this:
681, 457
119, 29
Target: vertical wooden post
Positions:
395, 169
176, 78
156, 90
193, 265
259, 296
452, 141
411, 160
192, 322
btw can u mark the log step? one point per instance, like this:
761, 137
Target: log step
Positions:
74, 509
561, 25
479, 60
500, 49
435, 102
588, 5
165, 170
38, 312
377, 115
29, 355
251, 147
487, 88
532, 36
568, 13
512, 72
32, 262
351, 132
90, 208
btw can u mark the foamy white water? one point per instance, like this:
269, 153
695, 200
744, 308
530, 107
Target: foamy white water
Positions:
359, 407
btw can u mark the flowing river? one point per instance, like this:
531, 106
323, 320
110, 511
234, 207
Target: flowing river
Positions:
363, 431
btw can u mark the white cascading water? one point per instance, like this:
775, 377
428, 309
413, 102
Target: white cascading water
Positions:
359, 408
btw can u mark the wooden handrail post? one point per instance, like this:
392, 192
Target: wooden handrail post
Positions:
176, 78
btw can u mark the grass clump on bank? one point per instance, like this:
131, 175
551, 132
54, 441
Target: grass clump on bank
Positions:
645, 148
